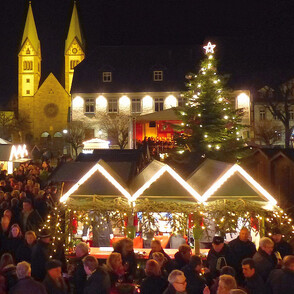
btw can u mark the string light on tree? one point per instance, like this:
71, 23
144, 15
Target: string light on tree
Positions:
210, 115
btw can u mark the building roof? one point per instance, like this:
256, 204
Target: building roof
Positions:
206, 174
30, 30
132, 69
167, 114
5, 150
74, 30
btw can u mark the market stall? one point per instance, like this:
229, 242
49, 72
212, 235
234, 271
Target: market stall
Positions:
103, 206
11, 156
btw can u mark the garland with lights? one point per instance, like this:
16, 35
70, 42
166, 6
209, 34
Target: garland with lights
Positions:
221, 216
210, 123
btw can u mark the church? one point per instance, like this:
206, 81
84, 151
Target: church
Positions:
46, 105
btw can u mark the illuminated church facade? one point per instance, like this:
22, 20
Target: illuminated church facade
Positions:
46, 105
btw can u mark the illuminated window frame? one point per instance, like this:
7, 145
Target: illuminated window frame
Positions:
136, 105
158, 104
112, 105
157, 75
89, 105
107, 77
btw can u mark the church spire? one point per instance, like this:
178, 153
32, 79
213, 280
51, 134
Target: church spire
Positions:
74, 51
30, 30
74, 31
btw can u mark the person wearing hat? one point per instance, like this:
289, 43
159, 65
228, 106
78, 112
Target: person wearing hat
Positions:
281, 245
54, 282
30, 219
40, 255
219, 256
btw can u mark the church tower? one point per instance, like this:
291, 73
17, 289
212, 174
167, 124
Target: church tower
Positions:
74, 48
29, 65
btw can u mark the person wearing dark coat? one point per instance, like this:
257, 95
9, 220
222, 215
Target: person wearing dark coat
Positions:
156, 247
242, 248
40, 255
264, 259
15, 240
154, 283
4, 232
253, 282
79, 277
177, 283
182, 257
129, 261
8, 270
24, 251
226, 270
98, 281
281, 246
25, 283
30, 219
192, 271
218, 256
54, 282
281, 281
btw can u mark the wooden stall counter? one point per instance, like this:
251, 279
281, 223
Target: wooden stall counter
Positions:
142, 253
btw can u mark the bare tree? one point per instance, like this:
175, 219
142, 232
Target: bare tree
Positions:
75, 135
267, 132
21, 125
116, 127
279, 102
6, 124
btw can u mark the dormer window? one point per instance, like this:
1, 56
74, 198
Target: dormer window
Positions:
157, 75
107, 77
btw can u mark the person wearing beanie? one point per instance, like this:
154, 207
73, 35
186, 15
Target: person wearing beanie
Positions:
219, 256
40, 255
54, 282
281, 245
192, 271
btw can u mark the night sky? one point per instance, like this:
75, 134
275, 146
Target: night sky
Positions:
254, 38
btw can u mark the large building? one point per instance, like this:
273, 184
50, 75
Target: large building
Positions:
143, 82
43, 100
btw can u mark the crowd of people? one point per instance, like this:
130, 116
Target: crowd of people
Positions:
27, 264
236, 267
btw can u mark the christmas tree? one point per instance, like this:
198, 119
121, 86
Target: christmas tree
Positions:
210, 123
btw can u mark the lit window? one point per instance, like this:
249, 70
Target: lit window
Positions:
112, 105
136, 105
158, 104
28, 91
74, 63
89, 105
157, 75
27, 65
262, 114
182, 101
28, 80
107, 77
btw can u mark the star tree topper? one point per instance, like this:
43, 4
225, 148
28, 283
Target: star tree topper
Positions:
209, 48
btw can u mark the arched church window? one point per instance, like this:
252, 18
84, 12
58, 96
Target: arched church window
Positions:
45, 135
27, 65
74, 63
28, 51
57, 135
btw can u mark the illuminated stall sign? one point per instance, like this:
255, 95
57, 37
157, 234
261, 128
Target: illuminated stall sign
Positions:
18, 152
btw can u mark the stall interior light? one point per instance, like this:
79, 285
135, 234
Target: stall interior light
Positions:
18, 152
157, 175
102, 170
236, 168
